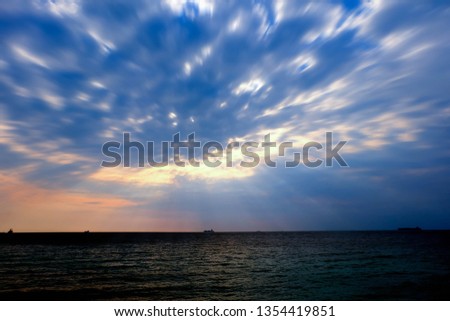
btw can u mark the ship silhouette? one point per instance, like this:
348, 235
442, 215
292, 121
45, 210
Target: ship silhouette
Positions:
409, 229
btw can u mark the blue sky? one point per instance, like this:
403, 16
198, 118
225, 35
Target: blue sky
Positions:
76, 74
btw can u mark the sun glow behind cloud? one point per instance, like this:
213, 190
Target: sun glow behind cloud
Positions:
169, 175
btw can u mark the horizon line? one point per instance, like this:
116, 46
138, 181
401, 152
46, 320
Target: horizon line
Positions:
220, 231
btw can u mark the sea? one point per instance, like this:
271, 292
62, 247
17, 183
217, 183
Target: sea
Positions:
388, 265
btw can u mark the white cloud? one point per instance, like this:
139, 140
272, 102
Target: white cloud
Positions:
180, 6
97, 84
54, 101
59, 7
187, 69
104, 44
252, 86
29, 56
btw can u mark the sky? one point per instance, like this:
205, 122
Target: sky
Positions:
76, 74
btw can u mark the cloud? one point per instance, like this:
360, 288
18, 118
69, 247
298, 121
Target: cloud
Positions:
51, 151
27, 56
170, 175
59, 7
77, 73
28, 207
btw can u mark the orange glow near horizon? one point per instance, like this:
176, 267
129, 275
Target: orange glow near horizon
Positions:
30, 208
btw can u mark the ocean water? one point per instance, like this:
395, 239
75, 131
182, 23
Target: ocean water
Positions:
226, 266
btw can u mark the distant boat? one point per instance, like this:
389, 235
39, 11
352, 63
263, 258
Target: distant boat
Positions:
86, 232
209, 231
10, 231
409, 229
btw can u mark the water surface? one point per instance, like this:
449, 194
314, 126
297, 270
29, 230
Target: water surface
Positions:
226, 266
